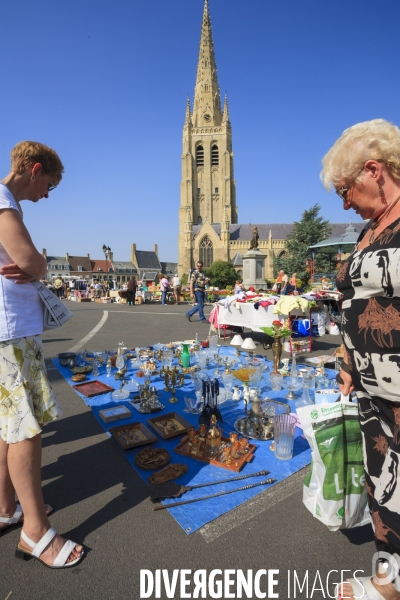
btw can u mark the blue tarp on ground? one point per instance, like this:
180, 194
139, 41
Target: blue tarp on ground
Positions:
193, 516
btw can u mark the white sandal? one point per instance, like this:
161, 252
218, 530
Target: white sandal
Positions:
39, 547
14, 520
17, 518
366, 591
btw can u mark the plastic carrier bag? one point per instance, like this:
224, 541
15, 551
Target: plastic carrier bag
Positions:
334, 491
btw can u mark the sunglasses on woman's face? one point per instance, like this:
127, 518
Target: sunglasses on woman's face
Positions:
342, 192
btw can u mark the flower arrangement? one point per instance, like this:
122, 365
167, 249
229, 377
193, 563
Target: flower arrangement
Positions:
278, 329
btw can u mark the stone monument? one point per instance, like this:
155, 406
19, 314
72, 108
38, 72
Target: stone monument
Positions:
253, 264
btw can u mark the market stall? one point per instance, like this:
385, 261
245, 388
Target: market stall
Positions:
262, 309
168, 428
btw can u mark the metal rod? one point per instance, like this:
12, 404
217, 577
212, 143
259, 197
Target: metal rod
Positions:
246, 487
259, 474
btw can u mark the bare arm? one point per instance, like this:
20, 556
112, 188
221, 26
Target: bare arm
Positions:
347, 386
18, 244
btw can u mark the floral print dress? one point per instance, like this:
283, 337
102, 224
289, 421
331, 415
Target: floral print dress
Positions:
26, 397
370, 283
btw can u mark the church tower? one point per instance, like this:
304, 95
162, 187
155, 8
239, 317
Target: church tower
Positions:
208, 192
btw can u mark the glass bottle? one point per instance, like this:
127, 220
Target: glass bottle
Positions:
109, 367
119, 363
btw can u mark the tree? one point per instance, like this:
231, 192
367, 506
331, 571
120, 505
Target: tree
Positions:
221, 274
309, 231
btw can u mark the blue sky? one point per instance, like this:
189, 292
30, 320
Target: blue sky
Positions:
105, 84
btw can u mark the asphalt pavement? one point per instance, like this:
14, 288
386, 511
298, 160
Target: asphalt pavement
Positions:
101, 502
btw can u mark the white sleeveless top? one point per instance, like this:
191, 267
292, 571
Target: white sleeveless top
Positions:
21, 309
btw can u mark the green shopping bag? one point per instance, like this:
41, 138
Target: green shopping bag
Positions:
334, 491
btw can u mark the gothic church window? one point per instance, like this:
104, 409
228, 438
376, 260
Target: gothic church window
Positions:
206, 252
214, 156
200, 156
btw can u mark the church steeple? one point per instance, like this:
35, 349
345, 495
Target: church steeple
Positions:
208, 188
207, 101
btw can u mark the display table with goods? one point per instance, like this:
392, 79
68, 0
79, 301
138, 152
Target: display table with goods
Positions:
311, 315
258, 310
202, 414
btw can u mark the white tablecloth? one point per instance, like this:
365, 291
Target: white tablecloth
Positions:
247, 316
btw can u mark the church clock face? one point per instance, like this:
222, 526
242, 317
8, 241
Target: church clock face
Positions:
207, 118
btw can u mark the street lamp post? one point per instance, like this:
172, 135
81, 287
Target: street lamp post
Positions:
107, 250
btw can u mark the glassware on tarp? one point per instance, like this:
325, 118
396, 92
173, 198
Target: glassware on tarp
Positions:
227, 379
167, 358
275, 381
308, 377
120, 362
202, 358
121, 394
284, 426
95, 371
212, 341
292, 384
305, 399
193, 405
109, 367
185, 356
256, 368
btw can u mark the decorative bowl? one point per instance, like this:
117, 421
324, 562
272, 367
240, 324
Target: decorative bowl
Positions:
78, 377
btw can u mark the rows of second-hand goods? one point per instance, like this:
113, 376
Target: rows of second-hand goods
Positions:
216, 382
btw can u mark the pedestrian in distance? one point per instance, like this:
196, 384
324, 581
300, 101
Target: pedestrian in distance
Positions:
198, 283
164, 287
58, 286
177, 287
132, 287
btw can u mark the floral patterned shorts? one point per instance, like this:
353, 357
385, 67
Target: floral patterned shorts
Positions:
26, 397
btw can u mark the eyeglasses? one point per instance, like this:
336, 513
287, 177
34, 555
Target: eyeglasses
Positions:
342, 192
50, 188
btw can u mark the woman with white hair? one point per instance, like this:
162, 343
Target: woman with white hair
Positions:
363, 166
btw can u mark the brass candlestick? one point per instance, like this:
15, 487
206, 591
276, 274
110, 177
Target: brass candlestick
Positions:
228, 364
172, 379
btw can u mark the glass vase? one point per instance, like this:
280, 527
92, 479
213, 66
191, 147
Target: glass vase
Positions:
185, 356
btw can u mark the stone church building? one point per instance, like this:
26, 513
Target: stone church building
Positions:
208, 213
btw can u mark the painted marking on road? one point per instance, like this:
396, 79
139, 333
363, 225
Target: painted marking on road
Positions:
92, 333
252, 508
